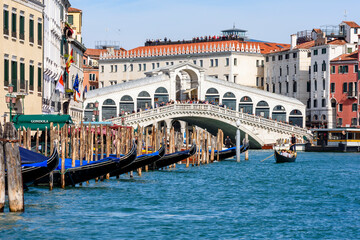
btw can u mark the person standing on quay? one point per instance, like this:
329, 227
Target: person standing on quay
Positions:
293, 143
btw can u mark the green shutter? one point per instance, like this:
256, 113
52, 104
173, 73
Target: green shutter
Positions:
22, 75
14, 74
6, 72
39, 33
31, 30
13, 27
6, 20
31, 77
39, 79
22, 27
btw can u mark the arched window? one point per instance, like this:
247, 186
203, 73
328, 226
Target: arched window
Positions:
161, 96
229, 100
108, 109
88, 113
144, 100
296, 118
315, 117
246, 99
126, 104
279, 113
246, 105
212, 96
262, 109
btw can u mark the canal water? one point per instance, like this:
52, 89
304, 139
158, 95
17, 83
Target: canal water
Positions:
317, 197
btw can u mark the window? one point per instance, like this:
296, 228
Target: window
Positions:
315, 103
340, 69
153, 65
353, 121
344, 87
111, 68
257, 63
332, 87
287, 87
280, 57
345, 69
315, 52
294, 55
139, 67
280, 71
144, 66
234, 78
309, 54
39, 33
354, 107
294, 86
216, 62
126, 67
6, 72
349, 50
22, 75
102, 68
308, 86
157, 65
332, 70
226, 77
267, 59
194, 61
115, 68
323, 102
13, 25
14, 74
235, 61
355, 31
294, 68
131, 67
71, 19
279, 87
324, 84
211, 62
267, 87
257, 81
287, 69
340, 107
31, 78
6, 22
22, 27
315, 85
323, 66
227, 62
323, 51
286, 56
340, 121
273, 88
167, 63
315, 67
201, 63
273, 58
31, 30
356, 68
39, 79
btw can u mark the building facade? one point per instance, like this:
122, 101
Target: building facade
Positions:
21, 51
55, 13
344, 89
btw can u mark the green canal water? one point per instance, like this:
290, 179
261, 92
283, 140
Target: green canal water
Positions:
316, 197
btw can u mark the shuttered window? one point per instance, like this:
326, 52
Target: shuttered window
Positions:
6, 72
31, 30
22, 75
39, 33
31, 77
14, 74
39, 79
13, 25
22, 28
6, 22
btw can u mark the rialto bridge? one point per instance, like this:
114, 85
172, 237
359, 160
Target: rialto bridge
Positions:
264, 116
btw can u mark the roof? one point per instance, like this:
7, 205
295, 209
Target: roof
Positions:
74, 10
92, 52
337, 42
351, 24
347, 57
265, 47
317, 30
234, 30
305, 45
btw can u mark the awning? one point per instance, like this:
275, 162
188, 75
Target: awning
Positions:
40, 121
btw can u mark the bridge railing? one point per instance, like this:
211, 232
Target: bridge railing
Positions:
139, 116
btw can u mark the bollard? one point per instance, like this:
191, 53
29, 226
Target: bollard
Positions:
63, 149
2, 173
13, 165
246, 152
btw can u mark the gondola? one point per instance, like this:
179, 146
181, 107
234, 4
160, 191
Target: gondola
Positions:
88, 171
172, 158
141, 161
282, 159
230, 152
35, 165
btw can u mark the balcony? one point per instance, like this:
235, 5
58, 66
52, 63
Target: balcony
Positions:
352, 94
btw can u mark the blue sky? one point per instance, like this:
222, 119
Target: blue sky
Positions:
131, 22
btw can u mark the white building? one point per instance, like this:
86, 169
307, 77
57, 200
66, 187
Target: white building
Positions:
55, 12
235, 60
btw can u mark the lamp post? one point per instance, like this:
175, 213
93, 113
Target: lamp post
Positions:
10, 99
238, 140
96, 111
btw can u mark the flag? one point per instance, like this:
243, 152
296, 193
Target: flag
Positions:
76, 83
75, 97
69, 61
60, 85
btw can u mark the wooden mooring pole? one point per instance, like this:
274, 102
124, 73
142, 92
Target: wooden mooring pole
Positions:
13, 165
2, 173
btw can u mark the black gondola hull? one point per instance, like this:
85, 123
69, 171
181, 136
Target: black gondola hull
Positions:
282, 159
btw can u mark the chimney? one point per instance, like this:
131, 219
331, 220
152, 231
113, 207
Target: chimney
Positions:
293, 40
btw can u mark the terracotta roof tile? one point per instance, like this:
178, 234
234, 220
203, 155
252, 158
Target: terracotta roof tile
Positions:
352, 24
73, 10
347, 57
337, 42
317, 30
94, 52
